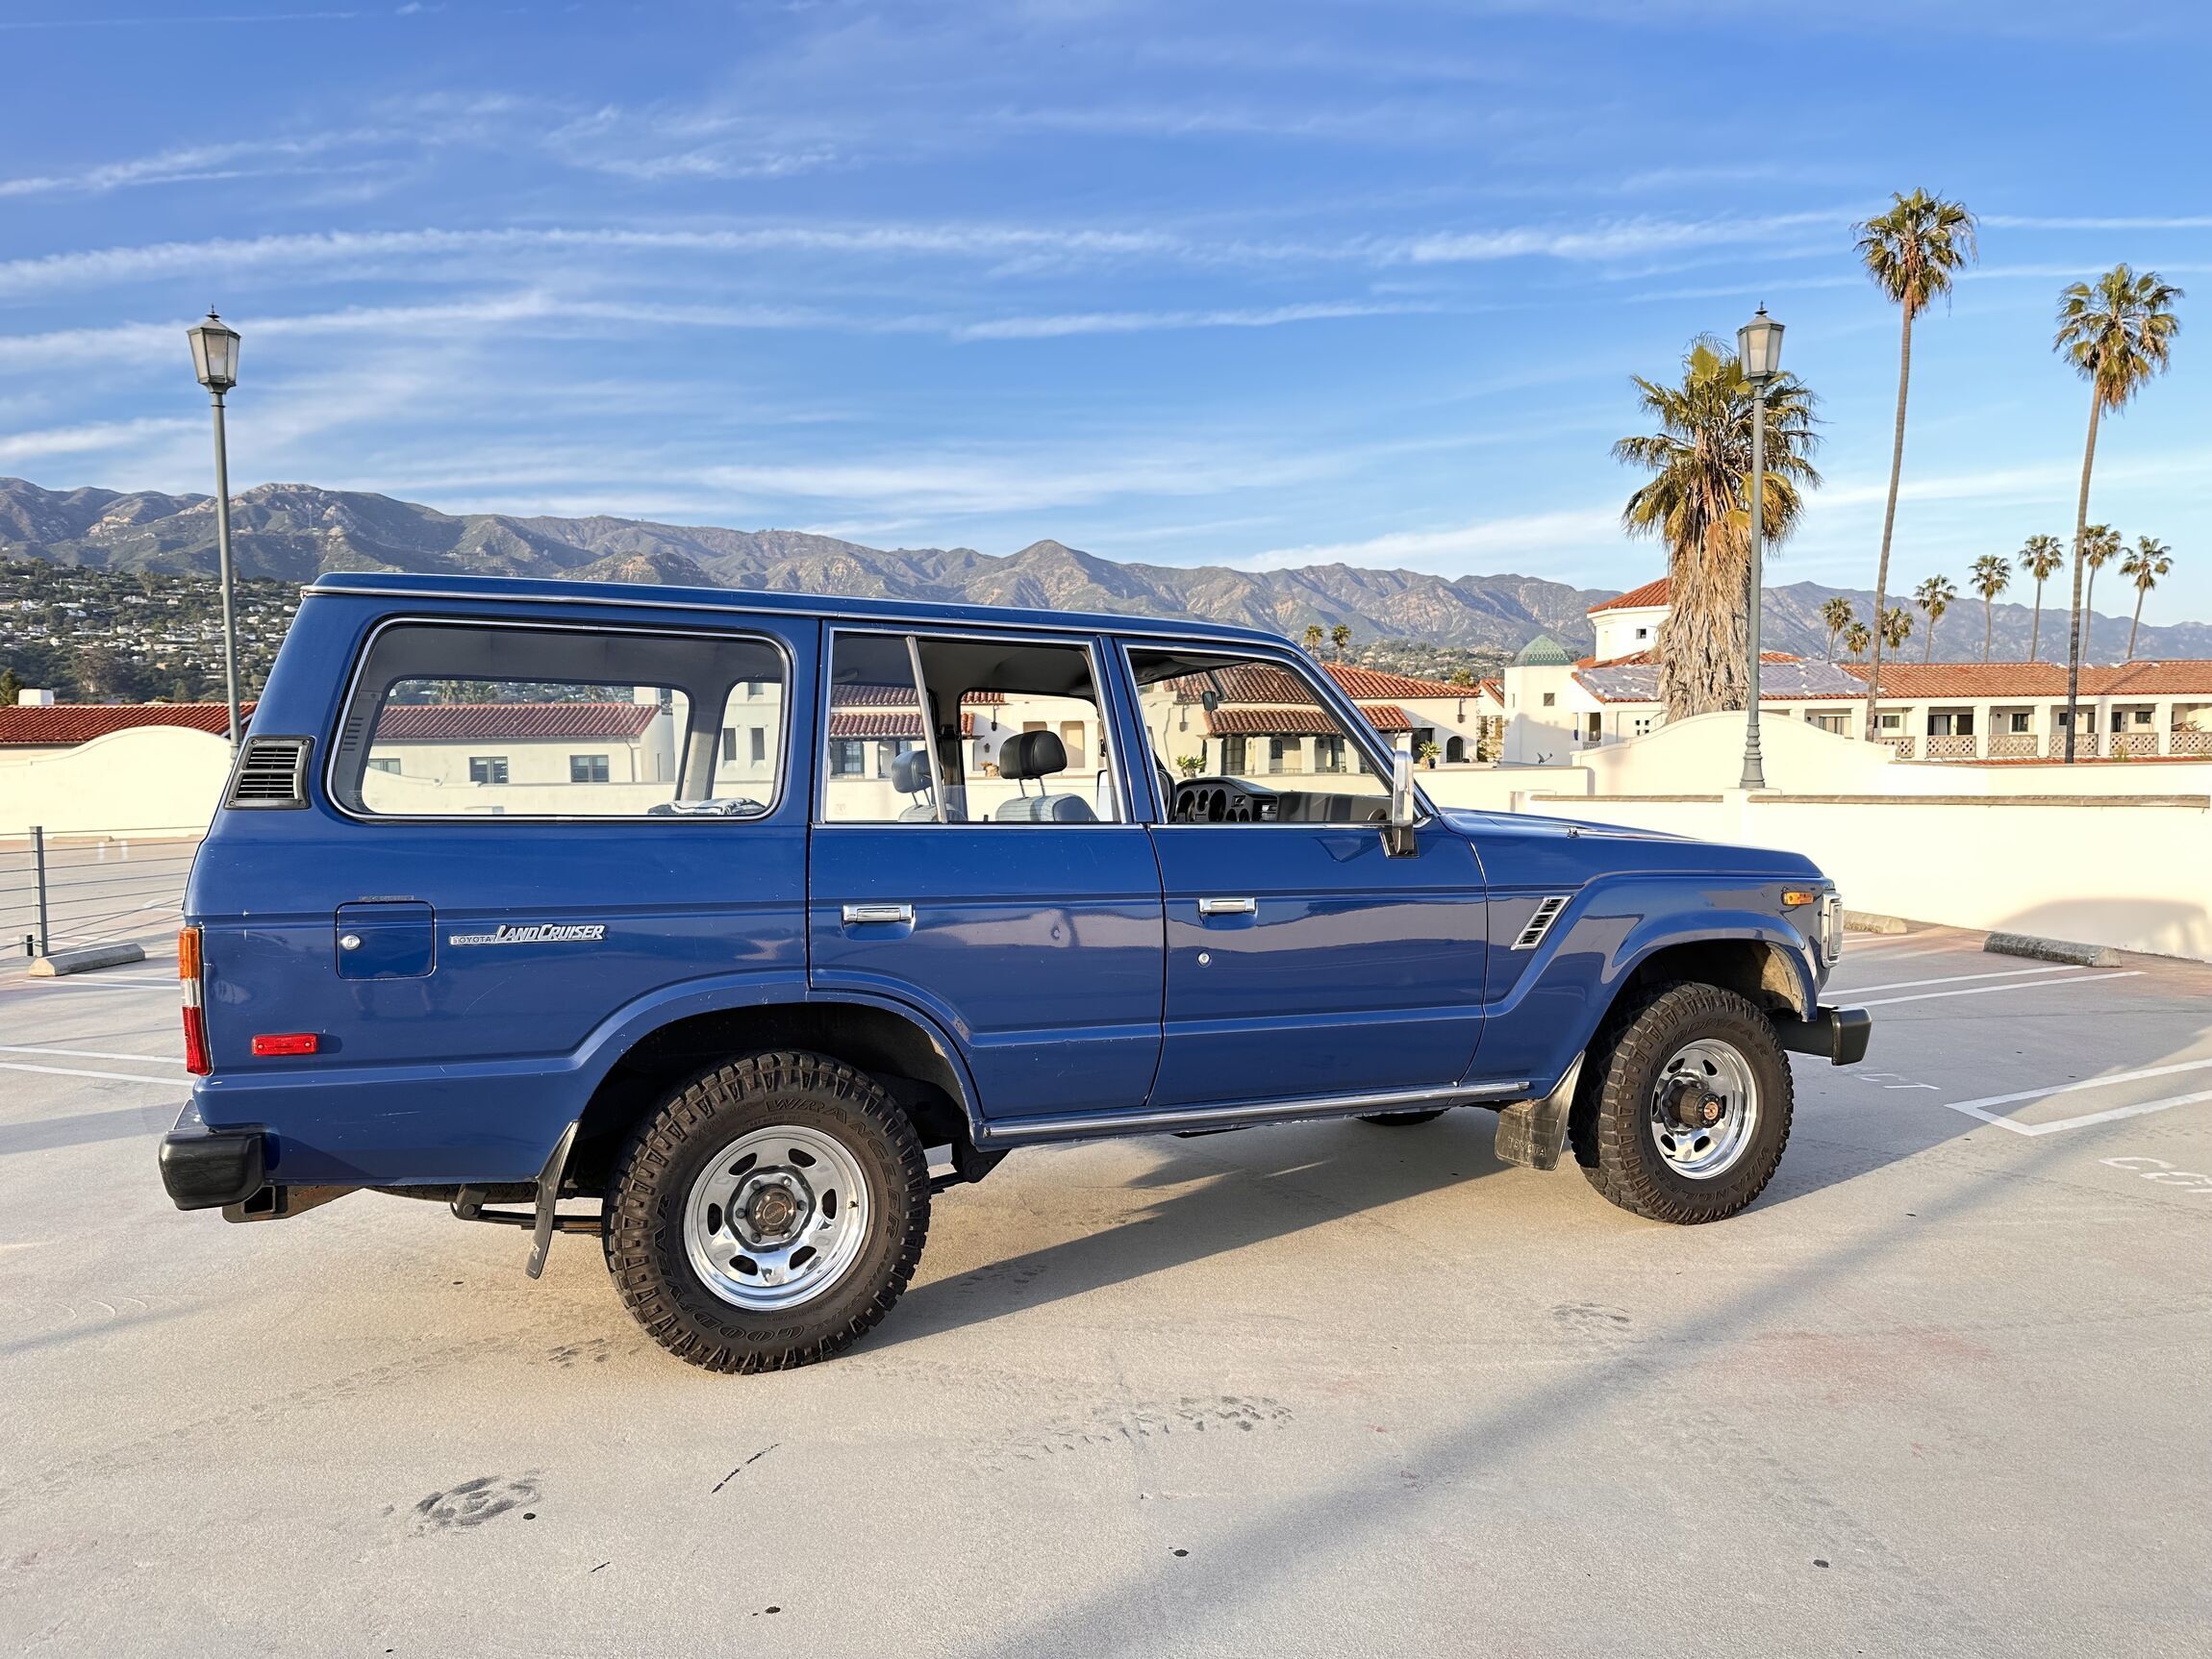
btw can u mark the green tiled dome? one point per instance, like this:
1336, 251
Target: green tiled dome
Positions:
1542, 652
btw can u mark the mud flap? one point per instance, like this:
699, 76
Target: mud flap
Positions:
1533, 1133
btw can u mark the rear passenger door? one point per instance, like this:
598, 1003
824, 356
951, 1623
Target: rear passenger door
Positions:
973, 857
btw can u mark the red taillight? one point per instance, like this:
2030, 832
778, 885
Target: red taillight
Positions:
188, 965
286, 1043
196, 1060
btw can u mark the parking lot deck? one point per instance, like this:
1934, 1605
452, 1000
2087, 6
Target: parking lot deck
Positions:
1331, 1389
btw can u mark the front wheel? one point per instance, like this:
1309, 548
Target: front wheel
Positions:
768, 1214
1684, 1108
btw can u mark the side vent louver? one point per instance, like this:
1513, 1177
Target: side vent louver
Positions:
272, 772
1546, 913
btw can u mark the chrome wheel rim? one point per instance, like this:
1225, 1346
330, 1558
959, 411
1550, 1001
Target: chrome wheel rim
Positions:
1705, 1079
776, 1217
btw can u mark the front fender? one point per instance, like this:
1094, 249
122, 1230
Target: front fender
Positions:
1550, 1002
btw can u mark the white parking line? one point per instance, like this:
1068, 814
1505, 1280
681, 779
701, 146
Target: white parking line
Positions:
1986, 989
89, 1054
111, 1076
1982, 1108
1957, 979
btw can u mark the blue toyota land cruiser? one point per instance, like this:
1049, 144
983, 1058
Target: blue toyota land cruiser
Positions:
730, 927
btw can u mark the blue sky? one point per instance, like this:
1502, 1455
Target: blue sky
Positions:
1259, 284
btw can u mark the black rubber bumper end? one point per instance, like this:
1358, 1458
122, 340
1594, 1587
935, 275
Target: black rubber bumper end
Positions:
208, 1169
1839, 1035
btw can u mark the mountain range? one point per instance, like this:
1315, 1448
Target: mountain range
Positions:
295, 532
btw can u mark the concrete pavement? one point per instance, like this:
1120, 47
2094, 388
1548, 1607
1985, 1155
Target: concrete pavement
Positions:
1325, 1389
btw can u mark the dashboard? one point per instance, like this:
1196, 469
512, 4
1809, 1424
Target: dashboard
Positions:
1241, 801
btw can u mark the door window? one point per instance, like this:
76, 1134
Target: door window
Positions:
1014, 734
1250, 740
449, 720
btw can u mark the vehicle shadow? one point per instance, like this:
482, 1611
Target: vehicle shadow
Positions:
1230, 1192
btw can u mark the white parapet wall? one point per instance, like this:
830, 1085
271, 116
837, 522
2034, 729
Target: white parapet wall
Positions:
144, 780
2111, 854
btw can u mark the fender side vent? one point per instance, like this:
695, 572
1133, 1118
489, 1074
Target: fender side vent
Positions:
1546, 913
272, 772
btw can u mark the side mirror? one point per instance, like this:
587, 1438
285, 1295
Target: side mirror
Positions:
1398, 832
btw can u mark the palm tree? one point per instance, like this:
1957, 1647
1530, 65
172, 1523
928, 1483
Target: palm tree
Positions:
1340, 637
1698, 501
1992, 576
2040, 556
1897, 627
1838, 614
2101, 544
1314, 639
1934, 597
2118, 333
1857, 636
2151, 559
1912, 252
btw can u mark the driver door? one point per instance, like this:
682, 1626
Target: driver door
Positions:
1303, 959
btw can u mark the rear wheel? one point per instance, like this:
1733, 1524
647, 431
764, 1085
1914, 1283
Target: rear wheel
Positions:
1684, 1108
768, 1214
1400, 1120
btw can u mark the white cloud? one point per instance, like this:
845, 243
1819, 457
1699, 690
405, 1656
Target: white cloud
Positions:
89, 438
1487, 538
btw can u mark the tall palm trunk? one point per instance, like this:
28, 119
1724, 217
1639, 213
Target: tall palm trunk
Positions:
2136, 625
1703, 640
2035, 628
1927, 646
2080, 545
1987, 612
1889, 512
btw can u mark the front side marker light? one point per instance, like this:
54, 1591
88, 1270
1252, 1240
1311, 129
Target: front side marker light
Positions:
1793, 896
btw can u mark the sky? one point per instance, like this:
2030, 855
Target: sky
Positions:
1258, 285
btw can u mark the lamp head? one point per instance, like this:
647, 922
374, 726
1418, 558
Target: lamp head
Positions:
214, 353
1759, 348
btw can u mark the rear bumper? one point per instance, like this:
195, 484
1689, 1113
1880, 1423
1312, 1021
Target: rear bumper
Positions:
207, 1169
1839, 1035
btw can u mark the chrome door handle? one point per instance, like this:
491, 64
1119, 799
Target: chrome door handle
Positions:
857, 913
1228, 906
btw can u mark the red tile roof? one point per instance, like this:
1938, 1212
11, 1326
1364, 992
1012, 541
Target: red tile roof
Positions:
888, 723
58, 724
1296, 722
1366, 685
1635, 599
486, 722
901, 697
2039, 680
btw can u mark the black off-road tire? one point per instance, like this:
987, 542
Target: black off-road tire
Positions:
1610, 1126
1402, 1120
645, 1211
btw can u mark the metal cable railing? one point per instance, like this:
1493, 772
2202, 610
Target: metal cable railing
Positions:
56, 893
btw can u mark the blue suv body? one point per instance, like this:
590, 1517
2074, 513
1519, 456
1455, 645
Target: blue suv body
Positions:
758, 919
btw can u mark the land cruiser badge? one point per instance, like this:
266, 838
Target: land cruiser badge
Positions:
536, 933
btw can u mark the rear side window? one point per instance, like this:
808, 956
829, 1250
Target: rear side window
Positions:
447, 720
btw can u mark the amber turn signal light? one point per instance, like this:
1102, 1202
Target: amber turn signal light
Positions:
1793, 896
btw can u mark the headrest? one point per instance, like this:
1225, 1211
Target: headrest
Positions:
1032, 755
910, 771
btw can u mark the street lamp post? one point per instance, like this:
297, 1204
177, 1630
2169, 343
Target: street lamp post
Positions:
215, 361
1759, 349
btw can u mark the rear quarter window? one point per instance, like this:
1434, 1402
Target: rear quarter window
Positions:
450, 721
